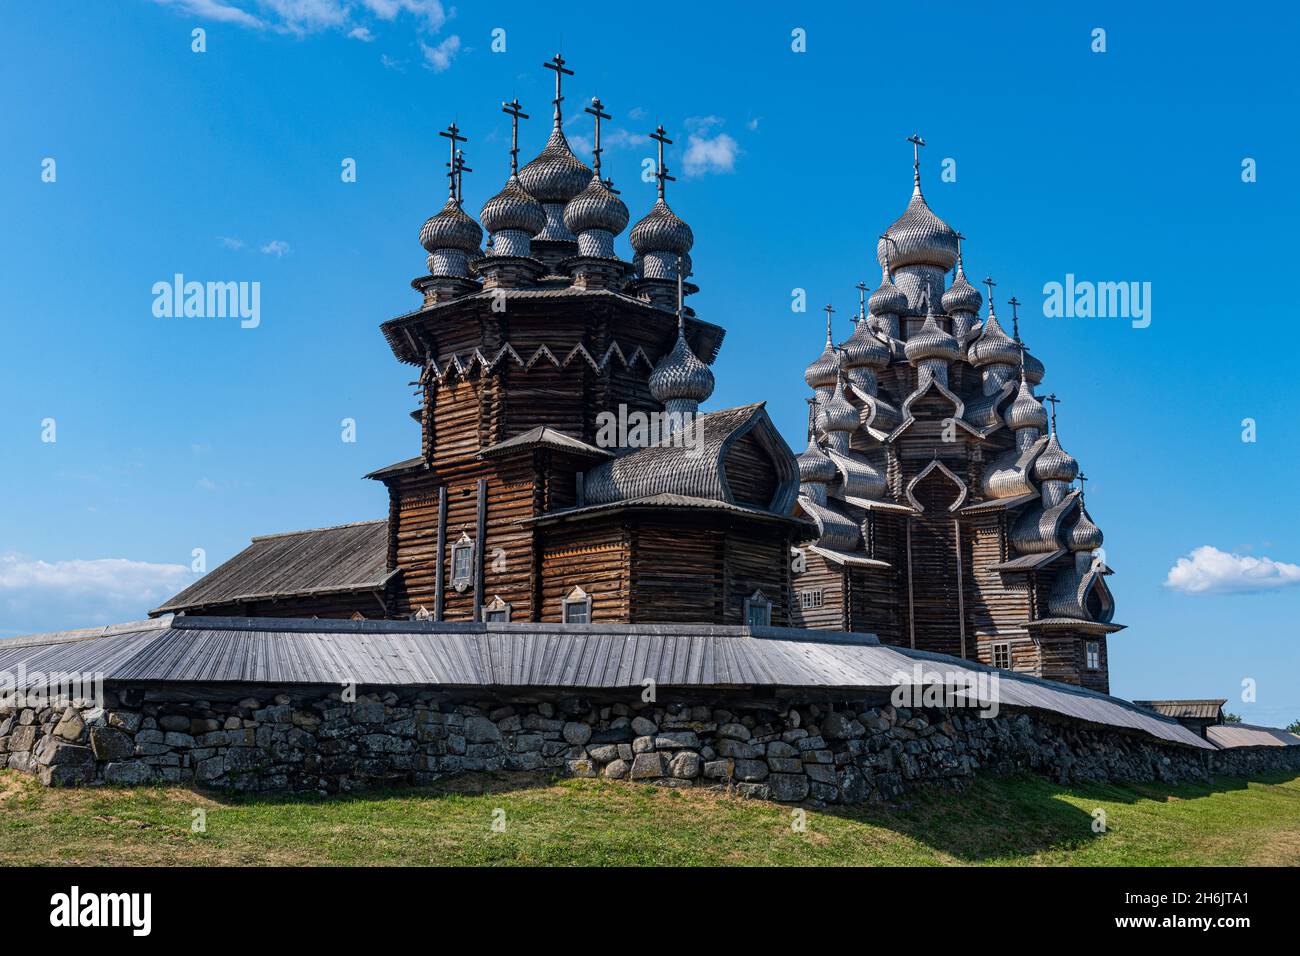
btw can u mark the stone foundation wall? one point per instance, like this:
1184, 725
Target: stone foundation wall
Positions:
846, 752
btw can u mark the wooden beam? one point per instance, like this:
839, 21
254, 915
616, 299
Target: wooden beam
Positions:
439, 562
480, 546
961, 597
911, 597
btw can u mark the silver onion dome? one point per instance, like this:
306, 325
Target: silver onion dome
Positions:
556, 175
824, 369
863, 349
596, 207
931, 342
1054, 464
1026, 411
961, 296
994, 346
918, 237
662, 230
451, 229
1084, 536
838, 414
1034, 370
888, 299
681, 375
514, 209
815, 466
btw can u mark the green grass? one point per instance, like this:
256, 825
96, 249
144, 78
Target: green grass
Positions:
1017, 820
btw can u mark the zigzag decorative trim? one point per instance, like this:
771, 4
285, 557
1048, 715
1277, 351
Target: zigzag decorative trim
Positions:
456, 365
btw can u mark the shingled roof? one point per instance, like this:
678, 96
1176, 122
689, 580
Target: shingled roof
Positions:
1189, 709
350, 557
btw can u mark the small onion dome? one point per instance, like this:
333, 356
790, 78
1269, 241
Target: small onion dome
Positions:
825, 369
556, 175
994, 346
451, 229
838, 414
1034, 370
513, 208
596, 207
662, 231
919, 237
961, 296
1026, 411
888, 299
1084, 536
931, 342
680, 375
1054, 464
815, 467
863, 349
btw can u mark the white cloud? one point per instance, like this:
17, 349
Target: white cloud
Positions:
701, 124
361, 33
230, 243
44, 595
215, 10
1207, 570
710, 155
389, 63
314, 16
430, 11
276, 247
438, 58
753, 123
611, 139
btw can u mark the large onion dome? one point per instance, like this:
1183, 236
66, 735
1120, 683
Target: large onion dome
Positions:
451, 229
556, 175
1054, 464
838, 414
918, 237
1084, 536
513, 209
815, 467
888, 299
825, 369
931, 342
863, 349
662, 231
680, 375
596, 207
1026, 411
994, 346
961, 296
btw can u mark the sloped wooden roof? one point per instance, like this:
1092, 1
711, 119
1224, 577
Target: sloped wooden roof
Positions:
1210, 709
282, 651
350, 557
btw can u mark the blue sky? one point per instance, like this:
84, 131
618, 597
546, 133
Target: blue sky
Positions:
176, 434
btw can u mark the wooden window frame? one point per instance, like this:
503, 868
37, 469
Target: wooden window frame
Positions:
462, 582
1091, 649
758, 600
810, 599
497, 606
1004, 646
576, 598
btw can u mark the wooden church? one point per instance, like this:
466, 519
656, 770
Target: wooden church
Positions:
566, 475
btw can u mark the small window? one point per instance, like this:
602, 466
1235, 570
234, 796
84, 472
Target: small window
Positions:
498, 611
758, 610
810, 599
462, 563
1093, 654
577, 607
1002, 655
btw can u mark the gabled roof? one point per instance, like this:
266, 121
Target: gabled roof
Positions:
399, 468
1193, 709
543, 436
350, 557
691, 463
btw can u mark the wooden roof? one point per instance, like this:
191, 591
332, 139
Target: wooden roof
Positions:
1225, 736
1194, 709
350, 557
282, 651
543, 436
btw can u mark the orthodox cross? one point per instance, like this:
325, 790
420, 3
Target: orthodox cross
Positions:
556, 63
1053, 401
988, 281
661, 172
609, 184
917, 143
829, 310
960, 237
862, 299
889, 241
1015, 317
596, 109
516, 114
1083, 480
461, 169
452, 133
